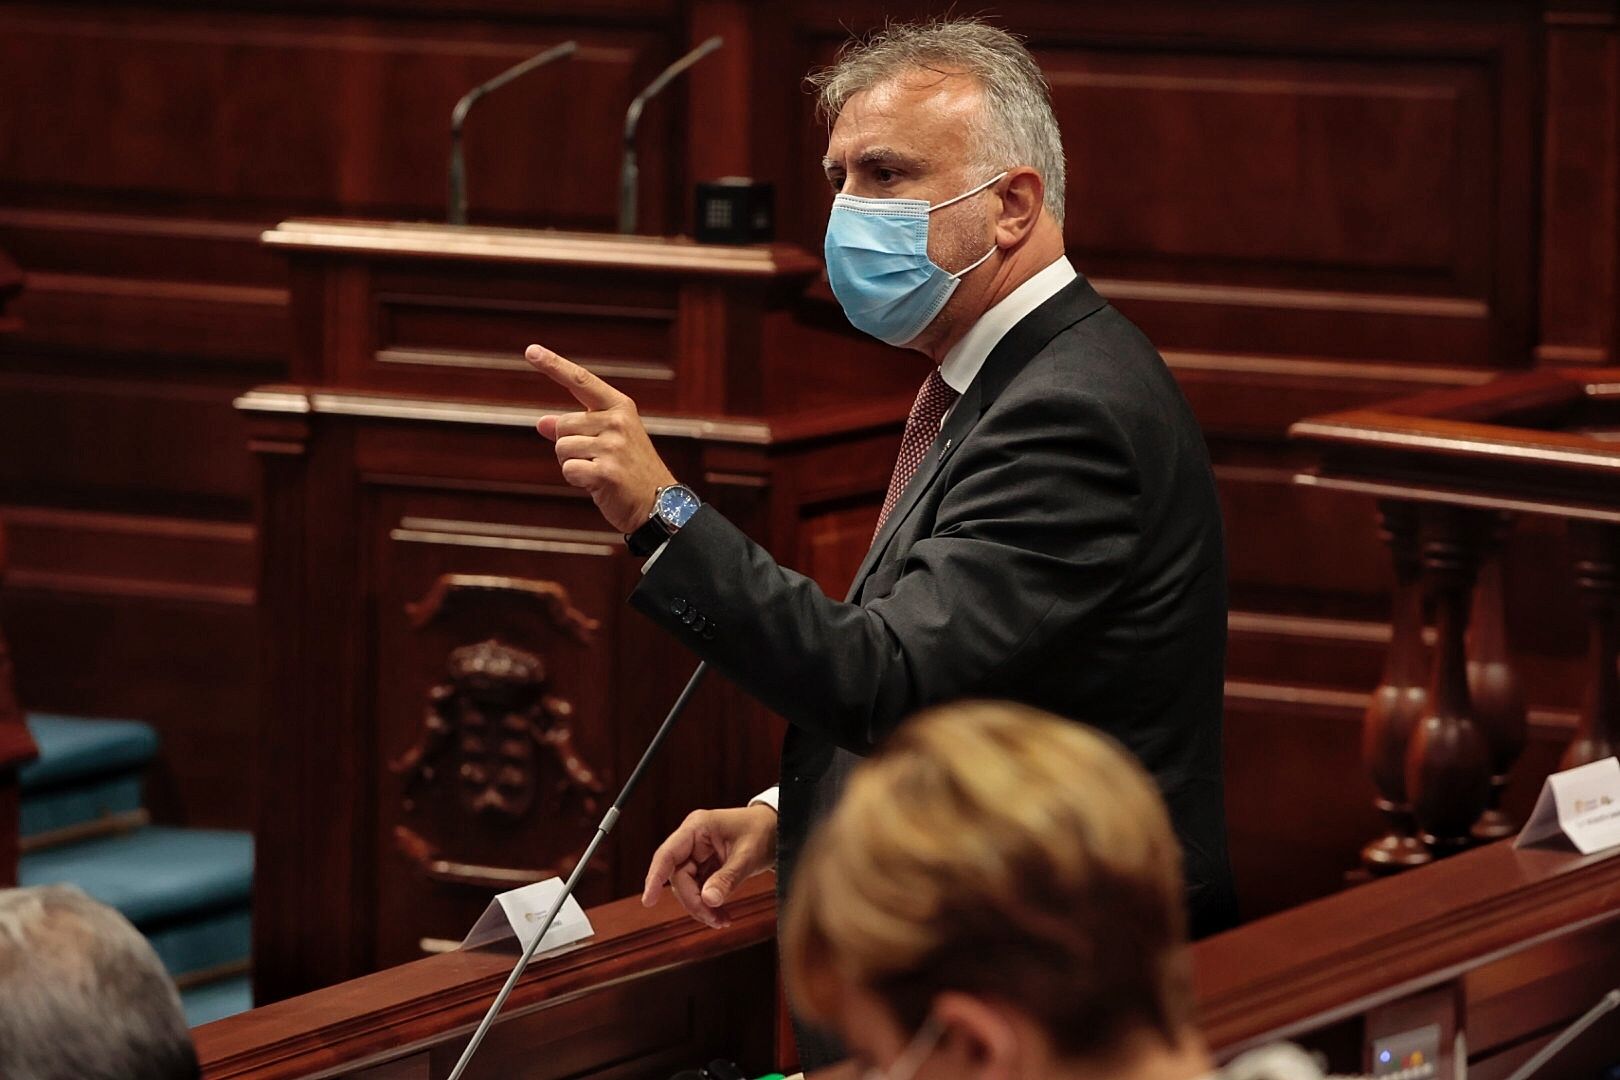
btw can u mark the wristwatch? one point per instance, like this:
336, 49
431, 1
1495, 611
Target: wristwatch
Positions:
673, 506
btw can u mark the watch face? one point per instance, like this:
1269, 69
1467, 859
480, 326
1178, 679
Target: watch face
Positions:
677, 504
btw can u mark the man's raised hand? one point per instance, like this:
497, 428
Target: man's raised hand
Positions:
604, 450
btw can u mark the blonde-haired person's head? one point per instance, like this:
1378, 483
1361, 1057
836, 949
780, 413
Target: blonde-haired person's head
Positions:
998, 893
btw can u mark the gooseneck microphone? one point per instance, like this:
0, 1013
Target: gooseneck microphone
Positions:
458, 117
609, 819
629, 170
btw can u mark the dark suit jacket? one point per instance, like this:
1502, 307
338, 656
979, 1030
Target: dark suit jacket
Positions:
1060, 546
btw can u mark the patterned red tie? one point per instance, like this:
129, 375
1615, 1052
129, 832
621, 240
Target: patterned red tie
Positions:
934, 400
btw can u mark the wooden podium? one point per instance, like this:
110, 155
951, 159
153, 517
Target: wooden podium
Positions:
453, 684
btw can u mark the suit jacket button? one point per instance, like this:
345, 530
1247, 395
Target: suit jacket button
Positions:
678, 605
690, 616
698, 624
708, 632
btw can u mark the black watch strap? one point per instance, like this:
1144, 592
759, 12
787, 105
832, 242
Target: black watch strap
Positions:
647, 539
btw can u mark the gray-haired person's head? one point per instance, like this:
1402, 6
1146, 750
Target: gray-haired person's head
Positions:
1016, 126
82, 994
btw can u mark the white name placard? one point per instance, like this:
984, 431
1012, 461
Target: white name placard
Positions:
1581, 803
518, 913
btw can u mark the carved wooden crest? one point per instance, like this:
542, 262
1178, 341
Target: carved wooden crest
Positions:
496, 749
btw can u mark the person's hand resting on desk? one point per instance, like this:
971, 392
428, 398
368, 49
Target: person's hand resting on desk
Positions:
712, 853
606, 451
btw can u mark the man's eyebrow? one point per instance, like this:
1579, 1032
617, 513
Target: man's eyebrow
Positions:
881, 155
873, 155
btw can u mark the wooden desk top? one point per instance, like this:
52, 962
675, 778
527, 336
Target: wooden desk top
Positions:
1305, 968
441, 998
1272, 979
433, 240
1547, 442
881, 414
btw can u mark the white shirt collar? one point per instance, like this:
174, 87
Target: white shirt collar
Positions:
961, 365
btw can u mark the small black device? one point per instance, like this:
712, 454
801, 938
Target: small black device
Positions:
734, 210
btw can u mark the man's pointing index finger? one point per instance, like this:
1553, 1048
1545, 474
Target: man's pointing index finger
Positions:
587, 389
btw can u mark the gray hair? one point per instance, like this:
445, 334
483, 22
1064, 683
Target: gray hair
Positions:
82, 994
1016, 127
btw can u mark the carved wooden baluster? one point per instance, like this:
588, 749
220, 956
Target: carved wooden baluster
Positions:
1448, 775
1398, 701
1597, 573
1493, 684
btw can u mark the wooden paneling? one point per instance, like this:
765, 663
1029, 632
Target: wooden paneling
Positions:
1347, 184
367, 506
1580, 251
117, 443
1298, 551
143, 149
416, 538
96, 596
105, 283
186, 666
1299, 201
156, 558
232, 110
430, 340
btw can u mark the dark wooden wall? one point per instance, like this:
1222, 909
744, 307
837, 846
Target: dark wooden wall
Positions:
143, 148
1307, 204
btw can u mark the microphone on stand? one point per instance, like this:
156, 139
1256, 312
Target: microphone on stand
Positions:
629, 171
458, 117
609, 819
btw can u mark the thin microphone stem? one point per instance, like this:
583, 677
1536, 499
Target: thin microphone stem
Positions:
629, 171
609, 819
1568, 1035
458, 117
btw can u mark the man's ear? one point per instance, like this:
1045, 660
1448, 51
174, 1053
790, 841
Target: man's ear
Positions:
1021, 202
980, 1039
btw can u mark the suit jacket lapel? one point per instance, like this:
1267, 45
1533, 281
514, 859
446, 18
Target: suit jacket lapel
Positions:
1016, 348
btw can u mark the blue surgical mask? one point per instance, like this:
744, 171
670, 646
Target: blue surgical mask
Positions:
878, 264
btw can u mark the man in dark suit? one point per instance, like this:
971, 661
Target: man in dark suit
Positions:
1051, 534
